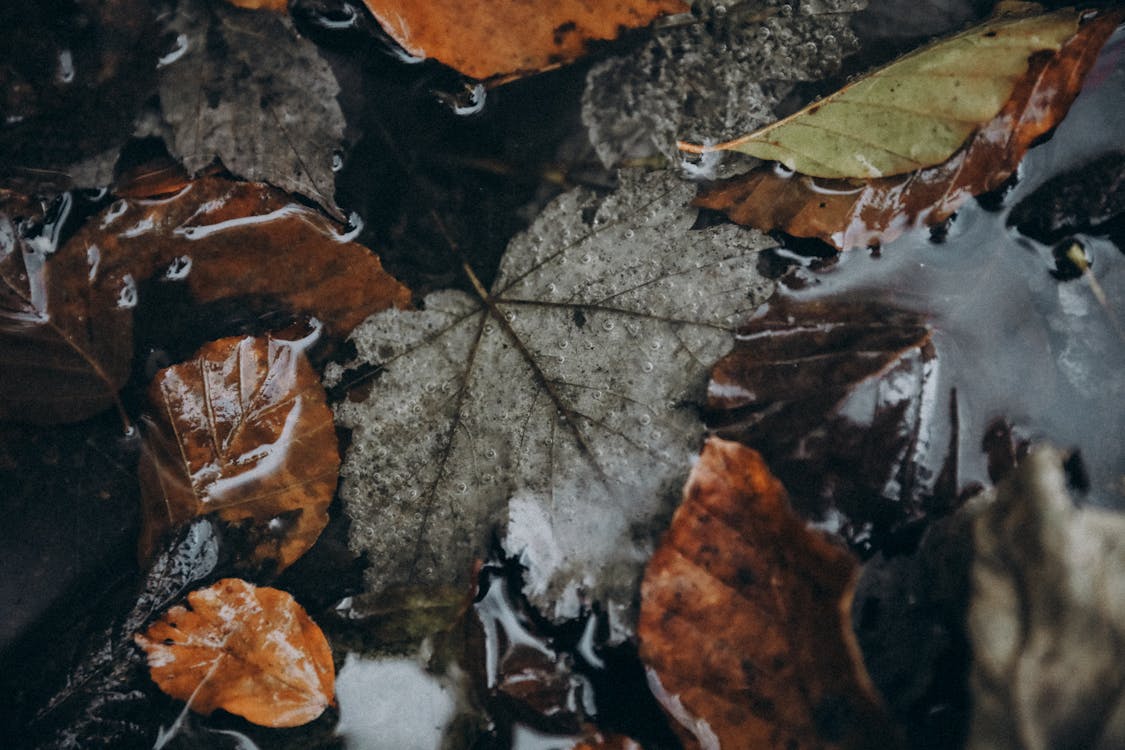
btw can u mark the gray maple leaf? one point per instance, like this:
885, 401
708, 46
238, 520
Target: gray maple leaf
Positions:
245, 87
560, 406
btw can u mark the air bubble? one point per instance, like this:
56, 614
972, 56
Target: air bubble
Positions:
607, 325
489, 329
462, 488
337, 161
656, 344
510, 316
647, 367
564, 344
490, 453
587, 258
127, 297
630, 234
646, 419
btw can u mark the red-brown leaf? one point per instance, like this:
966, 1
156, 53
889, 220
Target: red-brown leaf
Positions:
848, 214
251, 651
745, 619
509, 38
241, 429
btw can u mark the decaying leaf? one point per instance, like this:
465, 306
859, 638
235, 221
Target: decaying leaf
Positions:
1088, 198
720, 76
243, 430
849, 214
248, 650
245, 88
509, 38
840, 398
915, 112
1047, 617
228, 239
561, 402
65, 348
745, 622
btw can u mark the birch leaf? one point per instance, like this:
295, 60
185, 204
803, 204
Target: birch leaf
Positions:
247, 89
563, 401
915, 112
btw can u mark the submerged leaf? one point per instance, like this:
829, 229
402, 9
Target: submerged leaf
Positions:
562, 402
248, 650
510, 38
849, 214
244, 87
745, 620
1088, 198
1047, 617
915, 112
242, 430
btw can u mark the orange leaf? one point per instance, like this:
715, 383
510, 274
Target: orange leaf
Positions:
242, 429
849, 213
745, 619
510, 38
247, 650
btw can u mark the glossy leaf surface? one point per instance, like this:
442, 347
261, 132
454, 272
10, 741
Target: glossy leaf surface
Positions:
243, 430
915, 112
745, 619
252, 651
849, 214
509, 38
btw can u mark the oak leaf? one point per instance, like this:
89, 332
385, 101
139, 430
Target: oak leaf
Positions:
510, 38
745, 623
915, 112
849, 214
242, 429
560, 404
251, 651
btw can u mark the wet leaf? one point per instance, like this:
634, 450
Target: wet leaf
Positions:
849, 214
251, 651
1047, 616
65, 348
226, 239
562, 402
1088, 198
510, 38
246, 88
277, 6
719, 77
840, 397
242, 430
745, 620
915, 112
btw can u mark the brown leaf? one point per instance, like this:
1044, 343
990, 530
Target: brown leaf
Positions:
840, 398
66, 317
849, 213
243, 430
745, 619
510, 38
252, 651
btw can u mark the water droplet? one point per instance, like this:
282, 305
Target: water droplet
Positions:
489, 329
646, 419
510, 316
587, 258
630, 234
462, 488
337, 161
564, 344
607, 325
127, 297
647, 367
552, 288
490, 453
655, 344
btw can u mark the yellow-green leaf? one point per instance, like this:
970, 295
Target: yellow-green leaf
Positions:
915, 112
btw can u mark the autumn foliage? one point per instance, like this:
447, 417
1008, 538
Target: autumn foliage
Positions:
252, 651
851, 213
745, 623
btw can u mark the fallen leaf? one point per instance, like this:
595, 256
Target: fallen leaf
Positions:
246, 88
915, 112
745, 623
510, 38
1047, 616
561, 402
243, 430
849, 214
1088, 198
65, 343
277, 6
249, 650
840, 399
722, 75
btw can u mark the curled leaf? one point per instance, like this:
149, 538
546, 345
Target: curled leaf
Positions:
849, 214
510, 38
745, 620
252, 651
915, 112
243, 430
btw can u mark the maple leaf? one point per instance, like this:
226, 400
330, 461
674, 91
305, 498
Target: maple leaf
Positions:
241, 429
847, 213
745, 623
560, 402
252, 651
505, 39
245, 87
